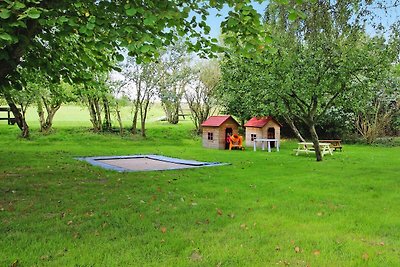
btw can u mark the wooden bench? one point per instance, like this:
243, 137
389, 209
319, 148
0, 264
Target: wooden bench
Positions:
10, 120
335, 144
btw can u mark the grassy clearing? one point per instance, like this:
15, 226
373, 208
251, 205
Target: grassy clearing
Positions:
265, 209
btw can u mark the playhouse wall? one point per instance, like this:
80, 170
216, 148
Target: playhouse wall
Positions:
249, 132
272, 124
228, 124
211, 143
218, 141
262, 133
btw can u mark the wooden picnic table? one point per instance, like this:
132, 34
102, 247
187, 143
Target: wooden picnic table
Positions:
10, 119
308, 147
335, 144
266, 140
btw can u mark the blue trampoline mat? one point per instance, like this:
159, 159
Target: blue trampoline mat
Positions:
135, 163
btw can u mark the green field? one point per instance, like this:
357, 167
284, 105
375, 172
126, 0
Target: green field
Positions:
265, 209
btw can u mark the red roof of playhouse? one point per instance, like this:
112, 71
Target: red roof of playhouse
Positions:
216, 121
260, 122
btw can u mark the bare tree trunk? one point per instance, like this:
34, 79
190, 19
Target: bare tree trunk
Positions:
19, 117
175, 114
134, 120
314, 138
143, 115
98, 113
50, 116
46, 123
136, 111
296, 131
40, 112
121, 127
107, 115
93, 116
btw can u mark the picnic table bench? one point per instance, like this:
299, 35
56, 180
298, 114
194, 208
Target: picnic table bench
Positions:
335, 144
308, 147
10, 120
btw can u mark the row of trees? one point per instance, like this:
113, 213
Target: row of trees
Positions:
71, 40
172, 79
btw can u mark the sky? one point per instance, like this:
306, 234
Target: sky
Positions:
387, 18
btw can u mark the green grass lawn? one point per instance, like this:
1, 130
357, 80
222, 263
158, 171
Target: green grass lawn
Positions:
265, 209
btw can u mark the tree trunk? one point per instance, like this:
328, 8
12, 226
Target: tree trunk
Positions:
134, 120
173, 113
40, 112
19, 117
143, 115
93, 116
107, 115
46, 123
314, 138
50, 116
121, 127
296, 131
98, 113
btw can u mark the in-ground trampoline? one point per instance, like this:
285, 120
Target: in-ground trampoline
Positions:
136, 163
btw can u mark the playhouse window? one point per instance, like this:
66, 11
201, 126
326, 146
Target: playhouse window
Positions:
210, 136
253, 136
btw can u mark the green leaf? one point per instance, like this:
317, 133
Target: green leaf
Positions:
62, 19
119, 57
131, 12
5, 36
90, 26
269, 39
232, 22
33, 13
292, 15
18, 5
82, 29
150, 20
5, 13
145, 48
18, 24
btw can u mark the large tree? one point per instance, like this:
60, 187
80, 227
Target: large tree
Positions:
141, 83
176, 77
323, 58
201, 97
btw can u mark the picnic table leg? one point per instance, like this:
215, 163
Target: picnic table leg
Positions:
254, 145
262, 145
269, 146
277, 145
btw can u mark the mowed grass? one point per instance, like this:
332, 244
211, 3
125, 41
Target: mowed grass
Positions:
265, 209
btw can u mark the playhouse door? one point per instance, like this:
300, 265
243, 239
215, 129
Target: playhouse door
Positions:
271, 135
228, 133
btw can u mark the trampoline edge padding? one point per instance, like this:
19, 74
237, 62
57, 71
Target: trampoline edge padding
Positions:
99, 161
